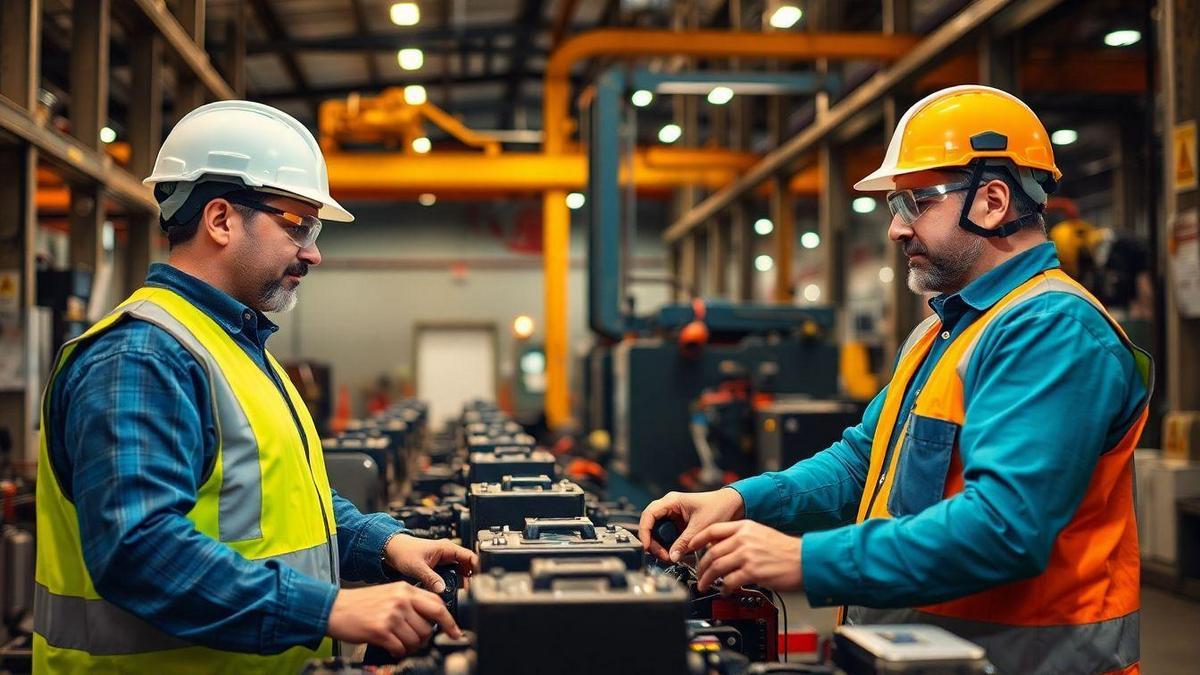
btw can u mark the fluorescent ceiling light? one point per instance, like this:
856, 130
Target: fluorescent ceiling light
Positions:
720, 95
810, 240
642, 98
764, 226
1064, 137
763, 263
411, 58
786, 16
405, 13
415, 94
863, 204
1122, 38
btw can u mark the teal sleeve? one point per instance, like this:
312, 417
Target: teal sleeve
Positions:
820, 492
1050, 389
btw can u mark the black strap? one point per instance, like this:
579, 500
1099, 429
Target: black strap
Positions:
1005, 230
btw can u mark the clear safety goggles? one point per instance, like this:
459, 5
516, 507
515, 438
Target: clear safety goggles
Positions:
302, 230
910, 204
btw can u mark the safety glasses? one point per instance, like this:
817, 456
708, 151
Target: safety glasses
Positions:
302, 230
909, 204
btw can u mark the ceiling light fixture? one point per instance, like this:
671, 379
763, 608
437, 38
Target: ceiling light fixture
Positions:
1123, 38
720, 95
1064, 137
415, 94
410, 58
642, 98
786, 16
405, 13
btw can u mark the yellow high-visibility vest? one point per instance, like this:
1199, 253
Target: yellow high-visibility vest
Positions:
267, 498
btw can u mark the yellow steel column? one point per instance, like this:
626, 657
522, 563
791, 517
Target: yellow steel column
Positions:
556, 234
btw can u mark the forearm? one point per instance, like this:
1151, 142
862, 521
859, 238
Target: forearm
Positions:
820, 492
361, 540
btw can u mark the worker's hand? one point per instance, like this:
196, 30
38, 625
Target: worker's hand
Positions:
693, 512
398, 617
745, 552
416, 558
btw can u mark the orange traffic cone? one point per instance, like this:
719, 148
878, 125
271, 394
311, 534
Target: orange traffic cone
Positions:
341, 414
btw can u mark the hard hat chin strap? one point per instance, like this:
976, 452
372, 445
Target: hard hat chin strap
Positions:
1004, 230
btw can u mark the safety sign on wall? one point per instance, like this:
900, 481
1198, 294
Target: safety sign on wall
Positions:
1184, 250
1184, 152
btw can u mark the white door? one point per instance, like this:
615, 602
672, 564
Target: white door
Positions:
454, 364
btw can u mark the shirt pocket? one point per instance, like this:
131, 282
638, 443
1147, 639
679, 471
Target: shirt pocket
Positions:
924, 461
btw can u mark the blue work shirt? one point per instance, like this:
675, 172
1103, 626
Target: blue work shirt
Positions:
132, 438
1050, 388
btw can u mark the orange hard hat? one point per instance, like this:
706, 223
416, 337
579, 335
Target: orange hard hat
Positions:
954, 127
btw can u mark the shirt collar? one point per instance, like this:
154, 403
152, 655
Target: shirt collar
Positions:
999, 281
221, 307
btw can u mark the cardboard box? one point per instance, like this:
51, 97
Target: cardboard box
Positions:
1181, 435
1165, 481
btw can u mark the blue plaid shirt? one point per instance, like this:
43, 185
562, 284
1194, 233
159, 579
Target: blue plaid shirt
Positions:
132, 434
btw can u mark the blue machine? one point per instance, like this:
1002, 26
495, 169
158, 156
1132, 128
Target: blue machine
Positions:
641, 385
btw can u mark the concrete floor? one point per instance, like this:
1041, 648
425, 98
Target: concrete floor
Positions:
1170, 629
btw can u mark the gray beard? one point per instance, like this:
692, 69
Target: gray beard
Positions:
276, 298
946, 273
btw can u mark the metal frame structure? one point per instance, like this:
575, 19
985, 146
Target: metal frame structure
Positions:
26, 141
612, 220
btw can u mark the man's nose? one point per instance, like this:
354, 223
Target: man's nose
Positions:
898, 230
310, 254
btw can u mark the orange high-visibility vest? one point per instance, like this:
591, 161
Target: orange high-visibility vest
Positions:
1080, 615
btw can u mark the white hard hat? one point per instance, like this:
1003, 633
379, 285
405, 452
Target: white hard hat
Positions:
262, 147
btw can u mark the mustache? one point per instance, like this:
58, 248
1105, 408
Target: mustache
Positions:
299, 269
913, 247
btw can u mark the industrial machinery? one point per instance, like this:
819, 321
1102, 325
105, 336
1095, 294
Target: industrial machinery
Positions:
647, 372
561, 591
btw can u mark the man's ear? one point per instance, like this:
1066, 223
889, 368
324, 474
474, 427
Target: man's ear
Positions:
997, 197
214, 221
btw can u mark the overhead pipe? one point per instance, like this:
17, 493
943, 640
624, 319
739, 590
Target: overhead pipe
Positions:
641, 43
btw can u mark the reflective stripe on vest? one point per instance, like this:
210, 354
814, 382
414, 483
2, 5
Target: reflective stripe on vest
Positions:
241, 483
112, 631
1100, 647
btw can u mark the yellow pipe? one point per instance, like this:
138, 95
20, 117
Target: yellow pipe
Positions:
375, 174
457, 129
634, 43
